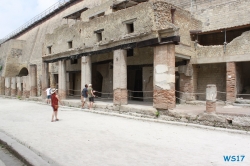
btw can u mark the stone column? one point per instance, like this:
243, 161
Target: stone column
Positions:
164, 76
13, 86
67, 84
231, 82
19, 81
187, 81
120, 77
26, 86
2, 85
211, 94
86, 71
33, 80
45, 79
62, 79
7, 86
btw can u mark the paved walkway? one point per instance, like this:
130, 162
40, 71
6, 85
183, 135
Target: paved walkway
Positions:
180, 108
85, 138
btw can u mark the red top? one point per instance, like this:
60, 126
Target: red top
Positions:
54, 100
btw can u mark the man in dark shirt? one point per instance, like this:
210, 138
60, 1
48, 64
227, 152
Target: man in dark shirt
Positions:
84, 95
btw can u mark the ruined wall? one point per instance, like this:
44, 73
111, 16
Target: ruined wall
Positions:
237, 50
33, 50
239, 46
213, 17
114, 33
211, 74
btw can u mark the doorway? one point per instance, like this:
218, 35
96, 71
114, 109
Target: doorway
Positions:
135, 83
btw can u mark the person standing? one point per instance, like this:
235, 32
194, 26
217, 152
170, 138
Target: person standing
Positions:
84, 95
48, 92
54, 104
91, 96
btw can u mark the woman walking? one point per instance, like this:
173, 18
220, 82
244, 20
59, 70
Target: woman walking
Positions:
54, 104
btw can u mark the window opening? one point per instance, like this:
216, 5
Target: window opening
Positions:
130, 27
99, 34
70, 44
49, 49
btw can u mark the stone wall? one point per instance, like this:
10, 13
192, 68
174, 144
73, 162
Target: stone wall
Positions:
114, 31
211, 74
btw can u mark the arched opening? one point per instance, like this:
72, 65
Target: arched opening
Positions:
23, 72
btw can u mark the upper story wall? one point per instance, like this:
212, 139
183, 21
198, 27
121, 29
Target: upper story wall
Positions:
217, 14
224, 15
236, 50
114, 30
150, 20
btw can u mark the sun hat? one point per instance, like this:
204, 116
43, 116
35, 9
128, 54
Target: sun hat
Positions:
53, 90
90, 84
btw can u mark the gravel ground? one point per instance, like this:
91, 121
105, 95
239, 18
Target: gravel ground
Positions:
85, 138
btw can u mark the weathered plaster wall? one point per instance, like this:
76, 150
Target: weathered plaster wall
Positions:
12, 56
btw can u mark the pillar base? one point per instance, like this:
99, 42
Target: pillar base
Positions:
13, 92
62, 94
210, 106
26, 94
120, 97
7, 91
33, 92
164, 99
19, 93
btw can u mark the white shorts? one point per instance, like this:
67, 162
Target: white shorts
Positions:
84, 99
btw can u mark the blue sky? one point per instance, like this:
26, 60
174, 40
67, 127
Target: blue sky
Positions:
15, 13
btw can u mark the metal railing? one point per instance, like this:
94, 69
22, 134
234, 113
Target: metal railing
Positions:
35, 19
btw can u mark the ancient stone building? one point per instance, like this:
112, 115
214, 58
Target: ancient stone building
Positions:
157, 51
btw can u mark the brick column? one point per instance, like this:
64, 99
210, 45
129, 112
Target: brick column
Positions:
26, 86
62, 79
2, 85
85, 71
13, 86
33, 80
45, 79
7, 86
19, 81
231, 82
164, 76
120, 77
